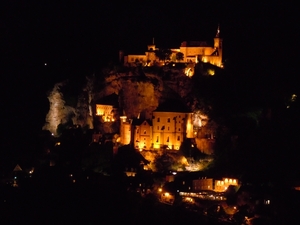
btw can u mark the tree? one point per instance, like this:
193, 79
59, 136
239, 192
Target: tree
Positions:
179, 56
163, 163
163, 54
97, 158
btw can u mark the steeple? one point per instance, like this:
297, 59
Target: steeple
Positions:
218, 31
218, 47
152, 46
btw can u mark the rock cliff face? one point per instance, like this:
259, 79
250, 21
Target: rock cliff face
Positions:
59, 112
139, 93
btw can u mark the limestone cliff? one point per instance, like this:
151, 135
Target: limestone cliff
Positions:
59, 112
139, 93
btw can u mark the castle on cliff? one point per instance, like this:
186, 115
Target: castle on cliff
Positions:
168, 128
191, 51
170, 125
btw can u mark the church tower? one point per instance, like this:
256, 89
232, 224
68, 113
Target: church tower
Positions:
152, 46
218, 46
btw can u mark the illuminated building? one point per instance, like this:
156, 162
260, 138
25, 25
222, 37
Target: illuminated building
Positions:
213, 184
125, 130
143, 134
105, 112
222, 185
171, 128
106, 108
193, 51
167, 129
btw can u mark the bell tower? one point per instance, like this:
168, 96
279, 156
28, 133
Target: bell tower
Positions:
152, 46
218, 45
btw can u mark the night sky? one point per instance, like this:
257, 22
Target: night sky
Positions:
76, 37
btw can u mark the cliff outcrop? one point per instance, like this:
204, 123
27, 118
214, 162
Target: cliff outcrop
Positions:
139, 93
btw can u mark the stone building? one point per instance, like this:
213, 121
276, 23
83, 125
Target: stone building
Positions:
169, 127
193, 51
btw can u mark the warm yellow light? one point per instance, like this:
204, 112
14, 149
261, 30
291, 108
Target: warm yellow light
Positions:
167, 194
226, 180
184, 161
211, 72
123, 118
188, 72
159, 189
57, 143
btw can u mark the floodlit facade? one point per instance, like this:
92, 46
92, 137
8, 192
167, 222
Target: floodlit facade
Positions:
192, 51
222, 185
171, 128
165, 130
210, 184
106, 112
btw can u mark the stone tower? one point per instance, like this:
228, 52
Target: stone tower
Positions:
218, 45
